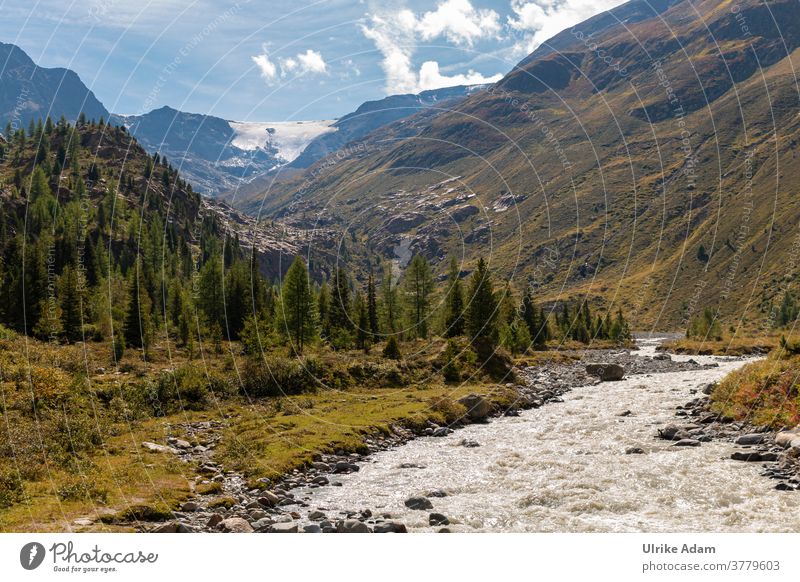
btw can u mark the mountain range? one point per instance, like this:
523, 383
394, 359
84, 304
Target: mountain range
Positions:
645, 157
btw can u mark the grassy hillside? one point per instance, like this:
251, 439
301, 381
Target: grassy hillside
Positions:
652, 167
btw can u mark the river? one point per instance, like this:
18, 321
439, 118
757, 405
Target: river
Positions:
563, 468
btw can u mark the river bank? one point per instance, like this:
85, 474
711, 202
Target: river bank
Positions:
379, 489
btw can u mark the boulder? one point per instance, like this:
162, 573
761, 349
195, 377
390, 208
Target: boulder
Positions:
672, 432
606, 372
477, 407
746, 456
173, 527
435, 519
235, 525
312, 528
155, 448
286, 527
390, 527
269, 499
351, 526
788, 438
751, 439
634, 451
687, 443
419, 503
190, 506
214, 520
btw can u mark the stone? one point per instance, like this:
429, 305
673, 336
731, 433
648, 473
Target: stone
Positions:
625, 413
312, 528
788, 438
235, 525
253, 505
634, 451
606, 372
351, 526
173, 527
435, 519
390, 527
441, 431
469, 444
214, 520
751, 439
269, 499
320, 466
345, 467
316, 515
477, 407
672, 432
419, 503
155, 448
321, 480
287, 527
687, 443
437, 493
662, 357
746, 456
190, 506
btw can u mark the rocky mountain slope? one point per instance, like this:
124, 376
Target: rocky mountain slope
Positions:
29, 92
645, 157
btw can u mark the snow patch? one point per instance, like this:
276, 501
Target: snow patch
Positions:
290, 138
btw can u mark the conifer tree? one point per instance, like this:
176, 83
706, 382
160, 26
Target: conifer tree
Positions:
137, 326
454, 321
482, 309
297, 301
372, 306
419, 285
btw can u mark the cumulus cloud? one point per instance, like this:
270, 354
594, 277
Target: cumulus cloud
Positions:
309, 62
431, 78
539, 20
396, 34
267, 68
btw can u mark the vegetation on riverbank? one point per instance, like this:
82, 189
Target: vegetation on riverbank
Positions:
727, 346
763, 392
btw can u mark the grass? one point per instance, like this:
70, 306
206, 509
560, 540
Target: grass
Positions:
73, 422
764, 392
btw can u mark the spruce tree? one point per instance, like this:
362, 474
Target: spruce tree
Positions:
419, 285
297, 301
482, 309
137, 326
454, 321
372, 306
71, 301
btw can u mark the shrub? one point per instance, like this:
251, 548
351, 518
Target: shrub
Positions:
451, 370
276, 376
6, 334
449, 410
118, 347
11, 490
80, 490
392, 349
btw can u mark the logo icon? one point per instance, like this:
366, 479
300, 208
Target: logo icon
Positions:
31, 555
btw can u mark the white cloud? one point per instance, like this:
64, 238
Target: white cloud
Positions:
309, 62
267, 68
540, 20
396, 34
431, 78
459, 22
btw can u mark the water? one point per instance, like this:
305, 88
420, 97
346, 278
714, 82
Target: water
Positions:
562, 468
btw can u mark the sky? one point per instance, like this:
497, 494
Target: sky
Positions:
281, 60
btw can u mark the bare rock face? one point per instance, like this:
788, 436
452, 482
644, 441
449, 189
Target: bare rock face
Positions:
606, 372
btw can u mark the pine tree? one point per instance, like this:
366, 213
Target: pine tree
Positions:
390, 302
372, 307
298, 306
137, 327
71, 301
454, 320
419, 285
339, 310
482, 309
362, 327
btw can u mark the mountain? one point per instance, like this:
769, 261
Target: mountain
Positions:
29, 92
370, 117
645, 158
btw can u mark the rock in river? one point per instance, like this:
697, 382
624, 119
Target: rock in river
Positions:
751, 439
420, 503
477, 407
438, 519
606, 372
235, 525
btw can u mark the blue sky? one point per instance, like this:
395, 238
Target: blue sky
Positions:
275, 60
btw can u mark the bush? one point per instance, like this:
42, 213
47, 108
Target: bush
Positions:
118, 347
11, 490
79, 490
451, 370
276, 376
6, 334
449, 410
392, 349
